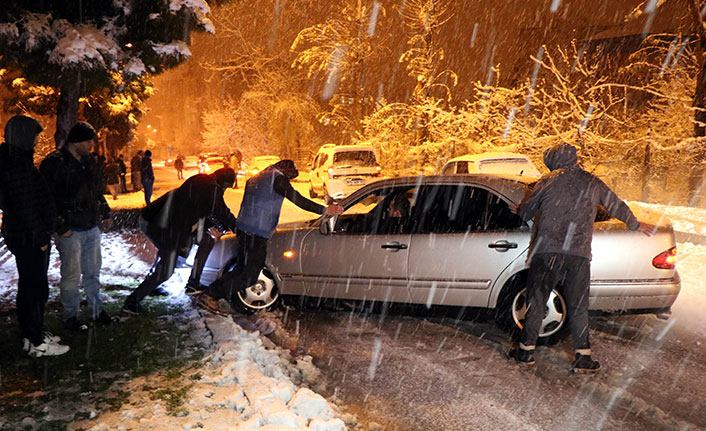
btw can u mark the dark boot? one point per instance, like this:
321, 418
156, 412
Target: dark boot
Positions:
522, 356
584, 364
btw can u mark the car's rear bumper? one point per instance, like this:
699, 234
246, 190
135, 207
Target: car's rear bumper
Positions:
620, 296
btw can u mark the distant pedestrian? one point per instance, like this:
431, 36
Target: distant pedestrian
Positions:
74, 180
172, 221
112, 177
257, 220
147, 175
135, 167
179, 166
565, 202
29, 214
123, 172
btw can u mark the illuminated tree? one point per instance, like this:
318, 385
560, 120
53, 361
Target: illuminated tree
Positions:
338, 49
75, 47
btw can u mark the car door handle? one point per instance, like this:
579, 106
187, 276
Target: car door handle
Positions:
394, 246
503, 245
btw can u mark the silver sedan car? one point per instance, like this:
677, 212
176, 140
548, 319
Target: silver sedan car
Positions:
452, 241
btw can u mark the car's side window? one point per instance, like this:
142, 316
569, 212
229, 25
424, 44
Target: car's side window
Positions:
382, 211
463, 208
462, 168
449, 169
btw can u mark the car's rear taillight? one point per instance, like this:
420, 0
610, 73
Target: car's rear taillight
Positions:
377, 171
665, 260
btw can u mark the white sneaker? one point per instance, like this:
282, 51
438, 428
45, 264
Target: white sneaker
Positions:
48, 338
47, 349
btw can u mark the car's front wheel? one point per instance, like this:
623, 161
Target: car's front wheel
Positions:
263, 295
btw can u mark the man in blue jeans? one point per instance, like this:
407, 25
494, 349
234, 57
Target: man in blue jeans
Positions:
74, 180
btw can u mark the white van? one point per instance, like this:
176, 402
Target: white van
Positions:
339, 170
492, 163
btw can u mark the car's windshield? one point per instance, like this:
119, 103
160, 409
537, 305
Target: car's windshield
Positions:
351, 159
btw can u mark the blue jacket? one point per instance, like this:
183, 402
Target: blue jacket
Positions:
262, 202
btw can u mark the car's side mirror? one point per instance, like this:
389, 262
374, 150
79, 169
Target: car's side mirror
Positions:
328, 222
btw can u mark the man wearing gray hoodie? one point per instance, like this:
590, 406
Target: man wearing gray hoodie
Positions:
564, 203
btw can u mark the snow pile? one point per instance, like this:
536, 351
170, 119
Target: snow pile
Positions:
242, 386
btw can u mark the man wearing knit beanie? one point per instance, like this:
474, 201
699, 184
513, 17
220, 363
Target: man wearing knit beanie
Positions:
27, 224
75, 181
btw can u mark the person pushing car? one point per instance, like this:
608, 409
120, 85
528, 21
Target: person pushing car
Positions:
565, 203
257, 220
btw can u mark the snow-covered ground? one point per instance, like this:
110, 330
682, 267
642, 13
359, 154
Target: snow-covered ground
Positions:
249, 383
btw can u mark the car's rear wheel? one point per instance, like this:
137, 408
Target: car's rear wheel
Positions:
513, 308
263, 295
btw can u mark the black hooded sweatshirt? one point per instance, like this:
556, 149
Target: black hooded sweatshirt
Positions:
565, 202
28, 207
174, 216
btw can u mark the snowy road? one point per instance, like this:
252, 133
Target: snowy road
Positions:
408, 372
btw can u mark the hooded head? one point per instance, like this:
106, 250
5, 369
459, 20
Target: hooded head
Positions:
562, 156
288, 168
21, 132
225, 177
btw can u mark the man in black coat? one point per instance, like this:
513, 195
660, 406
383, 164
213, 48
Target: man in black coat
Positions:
171, 222
28, 218
147, 175
123, 173
74, 179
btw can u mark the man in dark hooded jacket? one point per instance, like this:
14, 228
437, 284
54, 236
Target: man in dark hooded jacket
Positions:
257, 220
171, 222
28, 220
565, 202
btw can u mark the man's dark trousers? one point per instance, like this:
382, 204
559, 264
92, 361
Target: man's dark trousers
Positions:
548, 271
251, 251
32, 286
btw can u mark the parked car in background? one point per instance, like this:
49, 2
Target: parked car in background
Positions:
339, 170
456, 243
492, 163
258, 163
168, 161
211, 164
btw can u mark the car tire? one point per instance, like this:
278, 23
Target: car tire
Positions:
512, 306
263, 295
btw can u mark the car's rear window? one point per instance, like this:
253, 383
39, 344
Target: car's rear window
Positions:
508, 166
352, 159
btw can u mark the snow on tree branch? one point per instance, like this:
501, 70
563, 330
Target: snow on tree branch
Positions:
85, 47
